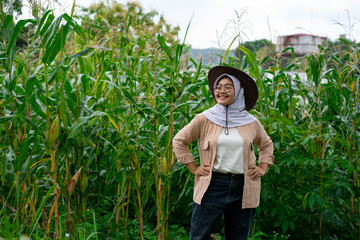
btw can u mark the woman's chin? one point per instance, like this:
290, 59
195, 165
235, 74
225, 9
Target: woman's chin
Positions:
223, 102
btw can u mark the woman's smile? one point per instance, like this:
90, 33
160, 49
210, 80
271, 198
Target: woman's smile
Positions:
223, 96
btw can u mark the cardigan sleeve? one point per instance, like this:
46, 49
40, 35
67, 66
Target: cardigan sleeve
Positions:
265, 145
183, 138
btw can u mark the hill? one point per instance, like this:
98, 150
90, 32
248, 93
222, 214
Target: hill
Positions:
210, 56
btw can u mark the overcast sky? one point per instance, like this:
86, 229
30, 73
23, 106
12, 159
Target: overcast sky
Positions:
214, 21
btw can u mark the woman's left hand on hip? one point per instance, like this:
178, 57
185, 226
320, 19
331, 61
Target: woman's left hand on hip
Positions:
254, 172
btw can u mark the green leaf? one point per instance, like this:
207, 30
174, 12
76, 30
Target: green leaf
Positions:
9, 19
23, 153
11, 48
29, 88
162, 42
285, 226
274, 212
55, 74
292, 225
37, 107
228, 49
99, 113
277, 223
133, 102
36, 127
276, 168
18, 27
82, 53
99, 84
75, 128
264, 194
39, 210
179, 50
311, 200
299, 196
76, 26
57, 45
305, 200
51, 31
292, 52
86, 140
252, 58
320, 201
85, 82
45, 19
6, 118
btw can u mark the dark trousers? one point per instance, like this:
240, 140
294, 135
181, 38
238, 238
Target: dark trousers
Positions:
223, 196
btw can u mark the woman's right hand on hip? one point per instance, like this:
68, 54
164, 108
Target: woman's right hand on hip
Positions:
203, 170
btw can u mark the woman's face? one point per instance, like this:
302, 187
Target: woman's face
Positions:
225, 92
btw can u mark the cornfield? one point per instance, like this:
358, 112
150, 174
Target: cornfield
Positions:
88, 111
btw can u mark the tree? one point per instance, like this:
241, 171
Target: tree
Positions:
116, 22
11, 6
262, 48
254, 46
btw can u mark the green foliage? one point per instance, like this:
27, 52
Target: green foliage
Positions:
11, 6
111, 25
88, 111
310, 108
72, 103
263, 48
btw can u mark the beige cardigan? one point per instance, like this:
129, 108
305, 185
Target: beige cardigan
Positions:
207, 134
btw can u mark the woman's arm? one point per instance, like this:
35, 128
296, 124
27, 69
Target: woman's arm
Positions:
265, 145
181, 143
266, 150
183, 138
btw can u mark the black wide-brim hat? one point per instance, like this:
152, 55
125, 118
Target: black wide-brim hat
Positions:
246, 82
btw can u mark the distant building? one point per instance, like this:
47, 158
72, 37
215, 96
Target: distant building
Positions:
302, 43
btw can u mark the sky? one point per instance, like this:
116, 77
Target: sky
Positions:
214, 23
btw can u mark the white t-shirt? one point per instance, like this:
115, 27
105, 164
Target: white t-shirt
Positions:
230, 152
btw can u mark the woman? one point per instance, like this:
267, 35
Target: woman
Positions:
227, 182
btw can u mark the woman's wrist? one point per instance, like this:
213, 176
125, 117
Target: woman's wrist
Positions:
264, 166
192, 167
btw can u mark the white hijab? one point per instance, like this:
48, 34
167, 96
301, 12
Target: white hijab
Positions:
234, 114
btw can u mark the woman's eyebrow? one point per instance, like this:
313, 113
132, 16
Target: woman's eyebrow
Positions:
226, 84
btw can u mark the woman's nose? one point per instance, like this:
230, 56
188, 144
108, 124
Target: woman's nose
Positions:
222, 90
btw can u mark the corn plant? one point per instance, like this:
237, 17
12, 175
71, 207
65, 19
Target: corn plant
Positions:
88, 109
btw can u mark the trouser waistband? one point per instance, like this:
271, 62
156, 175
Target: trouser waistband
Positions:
228, 175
